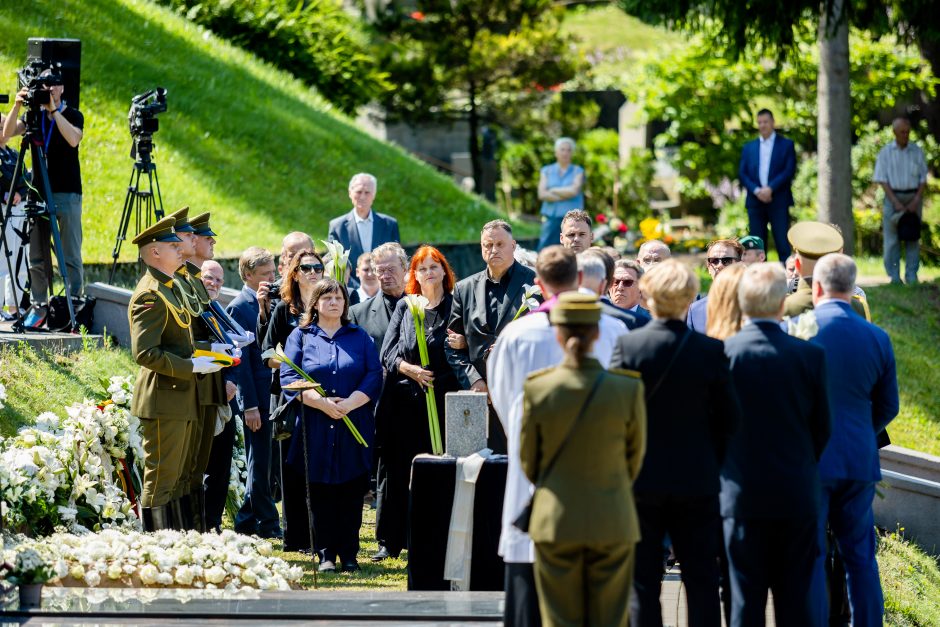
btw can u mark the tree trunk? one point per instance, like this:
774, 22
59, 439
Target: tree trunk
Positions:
930, 107
834, 124
474, 123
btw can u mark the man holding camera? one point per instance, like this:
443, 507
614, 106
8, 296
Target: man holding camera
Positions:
61, 128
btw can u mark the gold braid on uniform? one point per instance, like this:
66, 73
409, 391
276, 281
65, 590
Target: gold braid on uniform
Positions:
188, 302
180, 314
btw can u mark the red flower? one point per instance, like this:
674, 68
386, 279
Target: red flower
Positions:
601, 218
417, 16
623, 228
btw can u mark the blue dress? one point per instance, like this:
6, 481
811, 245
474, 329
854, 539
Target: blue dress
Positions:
342, 364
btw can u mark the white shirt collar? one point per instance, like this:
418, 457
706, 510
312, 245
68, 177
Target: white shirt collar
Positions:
770, 138
248, 289
358, 219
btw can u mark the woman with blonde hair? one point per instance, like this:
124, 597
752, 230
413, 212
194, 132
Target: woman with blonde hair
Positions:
723, 313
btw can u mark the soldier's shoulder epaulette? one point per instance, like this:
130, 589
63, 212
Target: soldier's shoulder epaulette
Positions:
538, 373
633, 374
145, 298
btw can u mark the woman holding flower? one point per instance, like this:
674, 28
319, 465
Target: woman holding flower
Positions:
430, 277
305, 269
343, 359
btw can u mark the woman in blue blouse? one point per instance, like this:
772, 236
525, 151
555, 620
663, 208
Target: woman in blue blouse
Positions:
345, 362
561, 189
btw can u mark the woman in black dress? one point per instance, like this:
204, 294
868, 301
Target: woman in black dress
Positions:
305, 269
430, 276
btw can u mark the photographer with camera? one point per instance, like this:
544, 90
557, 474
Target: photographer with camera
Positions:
13, 226
61, 128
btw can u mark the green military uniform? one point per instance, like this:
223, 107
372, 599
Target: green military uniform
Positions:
165, 390
210, 388
584, 522
812, 240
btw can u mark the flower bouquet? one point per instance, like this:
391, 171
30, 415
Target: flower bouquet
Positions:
279, 354
416, 305
805, 327
339, 258
29, 571
529, 302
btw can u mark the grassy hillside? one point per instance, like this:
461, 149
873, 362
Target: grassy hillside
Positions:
247, 142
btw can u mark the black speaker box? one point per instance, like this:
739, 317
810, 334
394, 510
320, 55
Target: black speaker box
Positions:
65, 52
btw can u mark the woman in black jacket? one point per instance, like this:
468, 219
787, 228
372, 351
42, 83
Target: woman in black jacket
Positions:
429, 276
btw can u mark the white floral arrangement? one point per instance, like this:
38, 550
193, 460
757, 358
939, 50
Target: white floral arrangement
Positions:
168, 559
3, 395
238, 474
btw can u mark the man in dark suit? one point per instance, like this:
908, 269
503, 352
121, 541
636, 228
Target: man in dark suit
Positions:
770, 491
593, 272
863, 389
258, 514
484, 303
362, 230
390, 264
677, 490
768, 164
624, 289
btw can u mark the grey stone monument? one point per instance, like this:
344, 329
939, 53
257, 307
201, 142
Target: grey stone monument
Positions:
465, 421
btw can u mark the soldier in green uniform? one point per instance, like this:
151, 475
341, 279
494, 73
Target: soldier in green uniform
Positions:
210, 388
584, 522
165, 390
810, 241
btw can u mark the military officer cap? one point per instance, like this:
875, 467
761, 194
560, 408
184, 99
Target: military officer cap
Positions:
162, 231
183, 224
576, 308
752, 242
815, 239
201, 225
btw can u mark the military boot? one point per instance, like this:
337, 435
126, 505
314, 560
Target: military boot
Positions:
155, 518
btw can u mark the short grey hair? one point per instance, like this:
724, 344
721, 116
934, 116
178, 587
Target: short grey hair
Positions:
836, 273
592, 267
762, 290
900, 121
390, 249
496, 224
630, 264
365, 176
652, 244
565, 140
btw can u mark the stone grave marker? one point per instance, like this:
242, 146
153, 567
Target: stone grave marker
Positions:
465, 422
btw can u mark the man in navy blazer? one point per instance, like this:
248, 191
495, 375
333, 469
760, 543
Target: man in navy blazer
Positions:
362, 230
257, 515
863, 390
768, 164
770, 489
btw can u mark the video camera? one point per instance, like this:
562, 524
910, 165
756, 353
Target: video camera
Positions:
32, 77
144, 108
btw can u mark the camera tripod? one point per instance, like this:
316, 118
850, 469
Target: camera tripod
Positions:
38, 207
145, 206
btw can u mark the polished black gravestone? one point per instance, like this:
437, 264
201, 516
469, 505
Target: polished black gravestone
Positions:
431, 501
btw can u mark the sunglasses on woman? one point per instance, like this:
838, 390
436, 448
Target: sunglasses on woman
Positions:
307, 268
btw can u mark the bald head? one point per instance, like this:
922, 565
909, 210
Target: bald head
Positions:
290, 245
651, 253
213, 277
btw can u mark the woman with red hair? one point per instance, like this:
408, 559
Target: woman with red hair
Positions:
408, 435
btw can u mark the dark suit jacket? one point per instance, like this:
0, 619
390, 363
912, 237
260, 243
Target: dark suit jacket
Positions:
779, 176
468, 317
770, 470
691, 415
863, 389
372, 316
343, 230
252, 376
631, 319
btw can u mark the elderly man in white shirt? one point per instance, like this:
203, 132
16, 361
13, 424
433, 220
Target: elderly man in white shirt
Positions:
902, 172
524, 346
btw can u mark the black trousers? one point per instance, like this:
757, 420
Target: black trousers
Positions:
693, 525
521, 606
496, 440
218, 473
771, 554
296, 524
337, 517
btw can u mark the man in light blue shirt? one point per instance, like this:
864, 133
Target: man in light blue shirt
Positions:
902, 172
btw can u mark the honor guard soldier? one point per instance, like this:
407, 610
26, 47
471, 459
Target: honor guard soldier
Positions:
165, 390
810, 241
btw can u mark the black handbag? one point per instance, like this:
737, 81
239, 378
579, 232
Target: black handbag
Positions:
522, 520
284, 416
59, 320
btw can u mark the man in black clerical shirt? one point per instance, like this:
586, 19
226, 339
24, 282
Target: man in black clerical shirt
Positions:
390, 264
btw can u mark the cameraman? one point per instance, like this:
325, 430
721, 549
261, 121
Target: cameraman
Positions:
13, 226
61, 128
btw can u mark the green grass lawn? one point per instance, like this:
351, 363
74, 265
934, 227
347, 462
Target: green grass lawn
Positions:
613, 41
249, 143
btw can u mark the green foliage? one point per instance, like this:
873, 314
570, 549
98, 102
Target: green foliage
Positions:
600, 157
316, 41
910, 579
266, 154
710, 101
